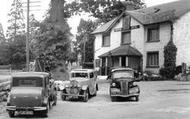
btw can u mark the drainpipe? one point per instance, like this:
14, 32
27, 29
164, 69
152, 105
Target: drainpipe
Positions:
172, 29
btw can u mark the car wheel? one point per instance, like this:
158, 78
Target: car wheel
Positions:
86, 96
45, 113
95, 93
55, 101
97, 87
63, 97
137, 98
113, 99
11, 113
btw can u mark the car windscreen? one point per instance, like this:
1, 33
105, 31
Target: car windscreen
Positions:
27, 82
123, 74
79, 75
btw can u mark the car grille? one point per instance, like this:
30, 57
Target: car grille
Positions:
26, 102
73, 90
124, 87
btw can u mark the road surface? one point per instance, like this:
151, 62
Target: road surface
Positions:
158, 100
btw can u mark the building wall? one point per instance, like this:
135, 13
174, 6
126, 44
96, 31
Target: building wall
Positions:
181, 39
164, 36
137, 38
115, 41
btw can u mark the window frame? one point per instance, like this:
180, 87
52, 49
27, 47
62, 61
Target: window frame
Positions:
122, 43
149, 29
148, 65
103, 39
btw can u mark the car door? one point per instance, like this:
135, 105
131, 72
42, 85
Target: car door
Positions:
93, 82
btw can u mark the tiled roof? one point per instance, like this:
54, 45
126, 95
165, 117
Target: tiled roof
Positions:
124, 50
107, 26
150, 15
161, 13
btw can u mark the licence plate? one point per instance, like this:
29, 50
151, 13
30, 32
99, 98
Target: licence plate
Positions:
26, 112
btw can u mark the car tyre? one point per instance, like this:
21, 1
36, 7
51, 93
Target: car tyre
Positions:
11, 113
113, 99
137, 98
45, 113
55, 101
86, 96
63, 97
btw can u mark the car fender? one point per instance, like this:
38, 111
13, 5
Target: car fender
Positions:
85, 87
62, 87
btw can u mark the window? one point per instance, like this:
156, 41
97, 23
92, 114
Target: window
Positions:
126, 38
27, 82
106, 40
152, 59
153, 34
103, 62
97, 62
126, 22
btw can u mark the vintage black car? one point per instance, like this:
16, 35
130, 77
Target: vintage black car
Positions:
82, 85
31, 93
122, 84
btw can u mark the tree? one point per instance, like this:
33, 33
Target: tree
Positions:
86, 40
104, 10
169, 60
16, 54
2, 37
53, 36
16, 20
34, 26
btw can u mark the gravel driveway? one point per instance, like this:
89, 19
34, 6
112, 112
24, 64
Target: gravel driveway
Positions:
158, 100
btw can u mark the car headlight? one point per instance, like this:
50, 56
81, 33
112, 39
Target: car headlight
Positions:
66, 86
78, 85
113, 84
45, 101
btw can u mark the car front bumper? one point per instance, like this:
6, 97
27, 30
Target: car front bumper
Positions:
14, 108
125, 96
73, 95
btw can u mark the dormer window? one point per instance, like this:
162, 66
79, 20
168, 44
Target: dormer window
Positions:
106, 40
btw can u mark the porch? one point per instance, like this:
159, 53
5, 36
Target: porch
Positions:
123, 56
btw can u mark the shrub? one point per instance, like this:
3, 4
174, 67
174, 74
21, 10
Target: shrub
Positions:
169, 61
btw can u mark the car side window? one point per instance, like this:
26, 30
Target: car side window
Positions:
91, 75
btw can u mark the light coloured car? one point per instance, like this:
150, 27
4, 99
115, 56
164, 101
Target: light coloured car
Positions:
82, 84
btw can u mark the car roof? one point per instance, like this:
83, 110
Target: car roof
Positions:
122, 69
83, 70
30, 74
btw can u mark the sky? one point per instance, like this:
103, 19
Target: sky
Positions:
44, 4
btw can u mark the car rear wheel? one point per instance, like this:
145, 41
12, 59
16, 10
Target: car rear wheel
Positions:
86, 96
113, 99
137, 98
11, 113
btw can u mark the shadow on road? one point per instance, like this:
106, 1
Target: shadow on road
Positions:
173, 90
